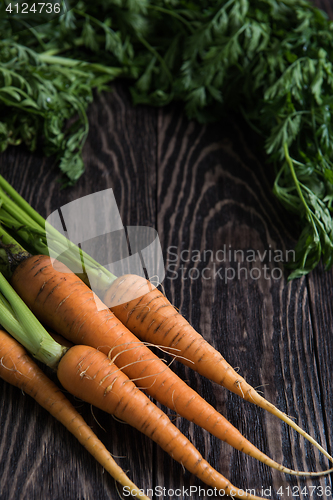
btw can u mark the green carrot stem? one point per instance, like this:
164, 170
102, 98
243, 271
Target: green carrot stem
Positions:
113, 71
62, 61
21, 323
20, 202
8, 241
10, 323
56, 242
311, 216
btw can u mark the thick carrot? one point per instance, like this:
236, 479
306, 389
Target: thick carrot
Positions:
146, 312
19, 369
90, 375
67, 305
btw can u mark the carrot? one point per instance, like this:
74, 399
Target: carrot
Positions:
146, 312
64, 303
18, 368
90, 375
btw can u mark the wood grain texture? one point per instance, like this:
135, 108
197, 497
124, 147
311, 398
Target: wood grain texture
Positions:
207, 190
214, 201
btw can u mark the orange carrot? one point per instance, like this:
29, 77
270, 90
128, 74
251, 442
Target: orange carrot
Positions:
90, 375
146, 312
18, 368
67, 305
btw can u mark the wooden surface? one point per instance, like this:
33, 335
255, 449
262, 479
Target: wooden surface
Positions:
207, 189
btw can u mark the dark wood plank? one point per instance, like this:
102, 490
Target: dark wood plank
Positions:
214, 195
320, 287
38, 459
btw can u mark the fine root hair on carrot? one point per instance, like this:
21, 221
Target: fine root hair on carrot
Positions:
12, 369
103, 348
137, 379
83, 373
119, 494
167, 350
113, 360
238, 384
261, 385
119, 420
292, 417
152, 280
95, 418
257, 389
173, 418
119, 456
139, 344
173, 402
184, 470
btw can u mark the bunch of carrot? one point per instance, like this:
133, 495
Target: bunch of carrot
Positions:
104, 373
94, 377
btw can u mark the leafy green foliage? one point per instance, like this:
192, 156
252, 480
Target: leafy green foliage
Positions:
269, 59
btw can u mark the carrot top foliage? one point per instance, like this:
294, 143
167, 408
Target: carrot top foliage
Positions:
267, 59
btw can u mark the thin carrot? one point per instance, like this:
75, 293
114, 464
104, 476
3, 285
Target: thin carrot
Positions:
19, 369
90, 375
67, 305
152, 318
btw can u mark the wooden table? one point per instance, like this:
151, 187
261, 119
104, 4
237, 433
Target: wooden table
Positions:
203, 188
